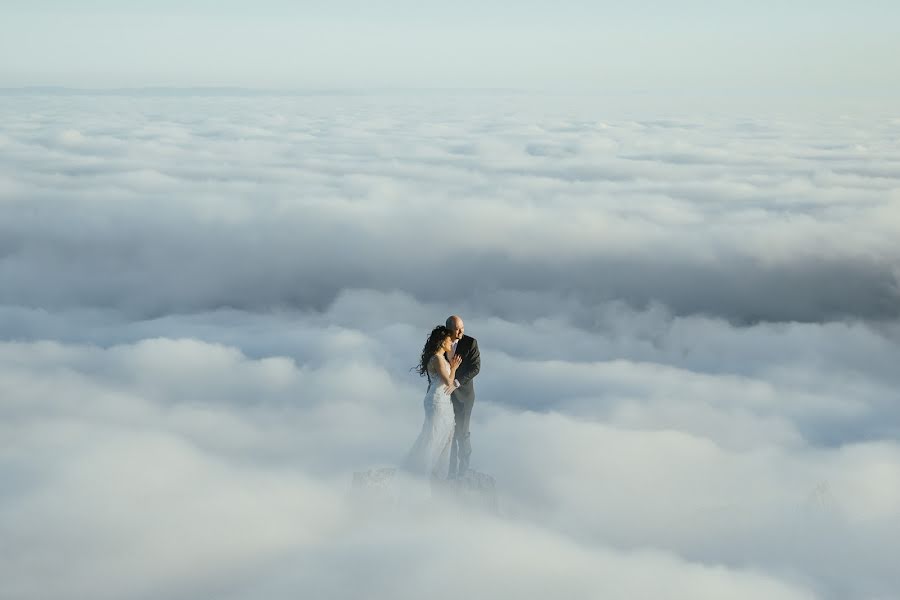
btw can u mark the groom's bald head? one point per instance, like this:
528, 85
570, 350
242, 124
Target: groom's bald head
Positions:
455, 325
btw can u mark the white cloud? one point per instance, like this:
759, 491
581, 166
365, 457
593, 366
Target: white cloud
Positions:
753, 229
189, 492
209, 309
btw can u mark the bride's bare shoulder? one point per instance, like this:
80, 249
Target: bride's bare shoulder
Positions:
436, 361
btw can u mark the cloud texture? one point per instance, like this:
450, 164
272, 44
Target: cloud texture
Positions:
209, 307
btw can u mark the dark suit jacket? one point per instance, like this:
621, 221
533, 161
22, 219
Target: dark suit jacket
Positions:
467, 348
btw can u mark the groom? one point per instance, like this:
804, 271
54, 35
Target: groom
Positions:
464, 396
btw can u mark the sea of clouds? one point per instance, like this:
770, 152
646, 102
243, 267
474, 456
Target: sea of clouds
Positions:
210, 304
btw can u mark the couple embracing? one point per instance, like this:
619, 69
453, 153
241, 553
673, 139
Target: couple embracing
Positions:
450, 360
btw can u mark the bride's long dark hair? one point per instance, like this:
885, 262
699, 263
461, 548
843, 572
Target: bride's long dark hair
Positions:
434, 341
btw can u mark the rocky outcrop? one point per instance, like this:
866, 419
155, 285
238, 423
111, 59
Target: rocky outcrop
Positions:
379, 487
475, 489
376, 487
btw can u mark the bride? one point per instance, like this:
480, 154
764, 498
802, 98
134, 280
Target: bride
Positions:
430, 455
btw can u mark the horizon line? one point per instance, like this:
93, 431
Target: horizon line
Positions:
231, 88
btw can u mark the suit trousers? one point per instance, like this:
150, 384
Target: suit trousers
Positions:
461, 448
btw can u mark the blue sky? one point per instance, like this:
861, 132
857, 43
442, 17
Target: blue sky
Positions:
799, 46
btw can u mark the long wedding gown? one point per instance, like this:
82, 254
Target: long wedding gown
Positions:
430, 455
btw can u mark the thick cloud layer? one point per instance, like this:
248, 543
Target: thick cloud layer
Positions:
209, 308
162, 205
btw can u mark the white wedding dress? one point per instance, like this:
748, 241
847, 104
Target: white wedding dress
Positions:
430, 455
